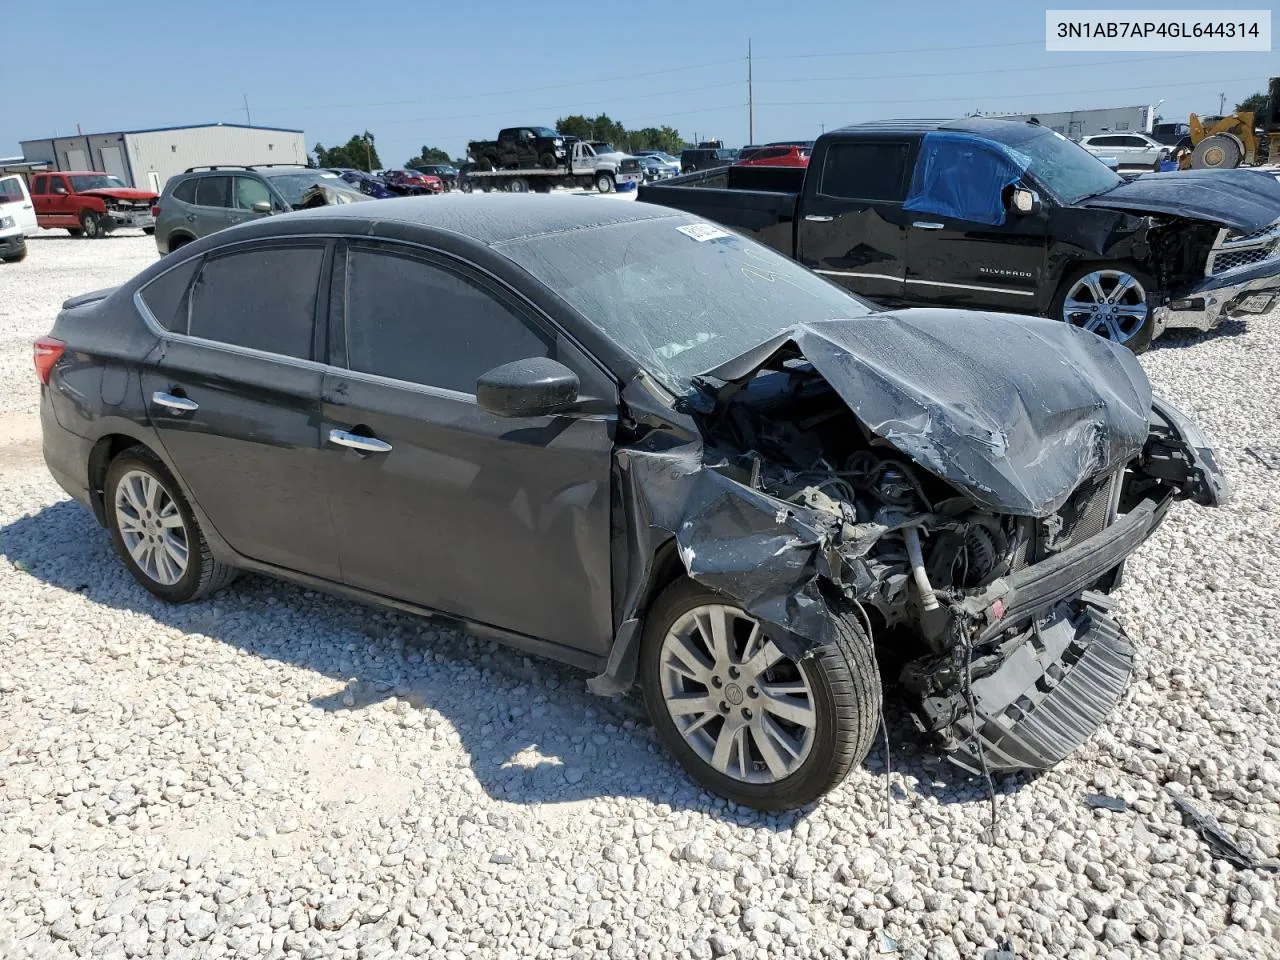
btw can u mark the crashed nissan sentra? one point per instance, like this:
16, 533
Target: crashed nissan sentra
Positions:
631, 440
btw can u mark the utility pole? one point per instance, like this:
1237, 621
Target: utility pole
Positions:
1222, 103
247, 119
368, 154
751, 100
822, 128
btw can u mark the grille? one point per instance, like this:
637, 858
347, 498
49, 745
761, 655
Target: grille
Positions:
1230, 259
1245, 237
629, 166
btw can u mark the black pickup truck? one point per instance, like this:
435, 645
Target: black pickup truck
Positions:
519, 148
1010, 216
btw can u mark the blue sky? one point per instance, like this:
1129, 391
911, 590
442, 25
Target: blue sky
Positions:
443, 73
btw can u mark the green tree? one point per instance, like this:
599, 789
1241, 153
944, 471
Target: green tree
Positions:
1256, 103
358, 152
430, 155
603, 127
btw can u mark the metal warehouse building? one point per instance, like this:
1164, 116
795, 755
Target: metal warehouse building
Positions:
147, 158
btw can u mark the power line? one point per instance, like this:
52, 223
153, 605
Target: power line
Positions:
967, 73
997, 96
508, 93
876, 53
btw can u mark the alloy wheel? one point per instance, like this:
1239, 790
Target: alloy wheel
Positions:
152, 527
1110, 303
744, 707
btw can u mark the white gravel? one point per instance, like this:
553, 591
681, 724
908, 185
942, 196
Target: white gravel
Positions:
279, 773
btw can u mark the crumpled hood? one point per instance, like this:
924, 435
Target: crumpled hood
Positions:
1015, 411
120, 193
1244, 200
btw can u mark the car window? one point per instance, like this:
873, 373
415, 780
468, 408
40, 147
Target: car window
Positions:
1134, 142
250, 191
165, 296
10, 190
213, 191
41, 185
865, 171
58, 185
415, 321
263, 297
185, 191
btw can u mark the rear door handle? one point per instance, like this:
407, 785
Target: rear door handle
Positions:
927, 225
814, 218
357, 442
170, 402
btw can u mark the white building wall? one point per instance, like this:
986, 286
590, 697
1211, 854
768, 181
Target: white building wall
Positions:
1083, 123
169, 152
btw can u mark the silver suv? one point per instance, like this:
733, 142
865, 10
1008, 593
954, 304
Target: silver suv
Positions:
204, 200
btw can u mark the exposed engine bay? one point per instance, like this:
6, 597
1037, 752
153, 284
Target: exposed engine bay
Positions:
997, 622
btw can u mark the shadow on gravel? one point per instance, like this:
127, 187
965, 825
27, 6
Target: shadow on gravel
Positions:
1177, 339
532, 732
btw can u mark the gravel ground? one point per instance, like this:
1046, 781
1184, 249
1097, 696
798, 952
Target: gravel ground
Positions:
275, 772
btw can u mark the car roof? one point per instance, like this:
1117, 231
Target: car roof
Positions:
81, 173
483, 218
982, 126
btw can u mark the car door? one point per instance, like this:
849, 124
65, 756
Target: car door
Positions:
965, 248
498, 520
15, 203
853, 228
212, 209
40, 196
59, 204
1142, 152
247, 195
234, 395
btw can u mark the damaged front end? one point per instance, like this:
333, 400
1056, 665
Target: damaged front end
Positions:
976, 507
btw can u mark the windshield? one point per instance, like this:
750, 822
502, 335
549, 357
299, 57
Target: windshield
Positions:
97, 181
293, 186
544, 132
680, 295
1066, 169
601, 147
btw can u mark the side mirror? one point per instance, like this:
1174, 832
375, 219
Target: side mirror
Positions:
1024, 201
262, 206
535, 387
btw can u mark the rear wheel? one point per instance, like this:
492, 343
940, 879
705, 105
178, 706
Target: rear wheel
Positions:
547, 161
91, 226
155, 532
518, 185
1111, 300
744, 719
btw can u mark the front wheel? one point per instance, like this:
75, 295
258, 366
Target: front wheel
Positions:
745, 719
91, 226
155, 531
1111, 300
604, 182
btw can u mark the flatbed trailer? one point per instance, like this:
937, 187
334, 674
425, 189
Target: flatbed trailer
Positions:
582, 169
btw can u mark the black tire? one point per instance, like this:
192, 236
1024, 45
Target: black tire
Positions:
548, 161
149, 231
847, 698
204, 575
1140, 341
177, 243
74, 231
91, 226
604, 182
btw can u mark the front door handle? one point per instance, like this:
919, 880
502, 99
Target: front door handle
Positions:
357, 442
815, 218
170, 402
927, 225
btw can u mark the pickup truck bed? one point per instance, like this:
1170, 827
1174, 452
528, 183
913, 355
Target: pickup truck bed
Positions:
737, 197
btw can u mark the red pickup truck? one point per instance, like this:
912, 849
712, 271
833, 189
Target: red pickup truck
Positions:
90, 204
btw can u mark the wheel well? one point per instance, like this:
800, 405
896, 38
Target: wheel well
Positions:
104, 451
666, 569
177, 240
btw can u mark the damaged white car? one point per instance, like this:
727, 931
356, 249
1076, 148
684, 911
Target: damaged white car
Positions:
626, 438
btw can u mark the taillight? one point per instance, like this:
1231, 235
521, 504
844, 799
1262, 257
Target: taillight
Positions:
155, 210
46, 352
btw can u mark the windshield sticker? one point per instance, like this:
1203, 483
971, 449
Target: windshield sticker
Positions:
703, 232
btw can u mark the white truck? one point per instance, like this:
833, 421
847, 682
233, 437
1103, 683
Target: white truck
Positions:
583, 167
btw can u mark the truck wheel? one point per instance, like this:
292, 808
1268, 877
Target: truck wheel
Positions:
518, 185
486, 164
745, 720
548, 161
604, 182
91, 226
1112, 300
73, 231
1218, 152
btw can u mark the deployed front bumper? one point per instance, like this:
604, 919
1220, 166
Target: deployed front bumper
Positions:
138, 219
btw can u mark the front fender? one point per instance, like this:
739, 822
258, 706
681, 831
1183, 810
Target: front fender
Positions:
1179, 453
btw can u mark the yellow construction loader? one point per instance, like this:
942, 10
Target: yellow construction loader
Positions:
1235, 140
